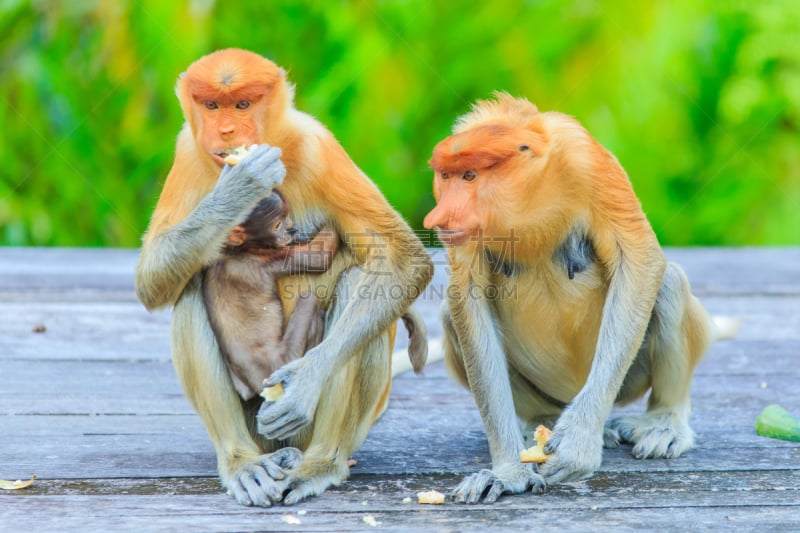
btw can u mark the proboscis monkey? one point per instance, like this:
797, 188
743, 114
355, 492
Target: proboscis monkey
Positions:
240, 292
333, 394
561, 301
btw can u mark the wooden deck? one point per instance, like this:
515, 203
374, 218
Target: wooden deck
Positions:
93, 407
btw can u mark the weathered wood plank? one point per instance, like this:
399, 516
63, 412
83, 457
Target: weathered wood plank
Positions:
30, 273
84, 330
173, 445
93, 407
151, 387
630, 500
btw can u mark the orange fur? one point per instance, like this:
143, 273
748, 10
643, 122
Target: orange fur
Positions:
524, 198
231, 98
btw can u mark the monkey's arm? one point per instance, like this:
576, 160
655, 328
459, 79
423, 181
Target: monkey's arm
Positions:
171, 255
487, 372
636, 265
390, 264
313, 257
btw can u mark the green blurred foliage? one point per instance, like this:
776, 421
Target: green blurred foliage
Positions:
699, 100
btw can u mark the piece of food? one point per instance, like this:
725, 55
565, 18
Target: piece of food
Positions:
777, 423
238, 154
535, 454
18, 484
370, 521
432, 497
273, 394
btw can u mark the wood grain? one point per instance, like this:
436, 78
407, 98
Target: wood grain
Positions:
93, 407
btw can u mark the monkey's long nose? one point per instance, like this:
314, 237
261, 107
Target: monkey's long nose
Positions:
436, 218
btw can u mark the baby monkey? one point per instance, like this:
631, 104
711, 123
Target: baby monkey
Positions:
240, 293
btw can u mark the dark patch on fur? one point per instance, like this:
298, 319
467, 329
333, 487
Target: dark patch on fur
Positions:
500, 264
576, 253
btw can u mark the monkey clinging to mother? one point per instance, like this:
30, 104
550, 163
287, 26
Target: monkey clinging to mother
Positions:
561, 302
299, 445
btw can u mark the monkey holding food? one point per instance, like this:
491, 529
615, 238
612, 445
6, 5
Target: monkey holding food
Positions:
240, 293
561, 301
299, 445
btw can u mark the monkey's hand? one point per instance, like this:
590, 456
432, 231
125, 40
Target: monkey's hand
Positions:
513, 478
241, 186
263, 481
577, 449
302, 382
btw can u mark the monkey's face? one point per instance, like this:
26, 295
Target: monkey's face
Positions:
266, 235
283, 231
225, 97
480, 181
227, 124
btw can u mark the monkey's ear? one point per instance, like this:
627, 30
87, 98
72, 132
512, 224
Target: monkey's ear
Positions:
237, 236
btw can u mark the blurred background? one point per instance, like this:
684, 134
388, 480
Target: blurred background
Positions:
699, 100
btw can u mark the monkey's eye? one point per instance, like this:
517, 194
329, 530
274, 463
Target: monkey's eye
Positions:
469, 175
445, 175
524, 147
278, 225
242, 104
211, 105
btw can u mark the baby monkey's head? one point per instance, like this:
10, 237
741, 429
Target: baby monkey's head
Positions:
268, 226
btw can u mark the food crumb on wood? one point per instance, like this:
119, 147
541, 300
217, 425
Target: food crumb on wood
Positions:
432, 497
18, 484
289, 519
370, 521
39, 328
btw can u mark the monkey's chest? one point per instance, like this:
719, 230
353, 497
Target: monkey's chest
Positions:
549, 325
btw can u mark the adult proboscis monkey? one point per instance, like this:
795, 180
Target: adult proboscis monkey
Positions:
561, 301
234, 98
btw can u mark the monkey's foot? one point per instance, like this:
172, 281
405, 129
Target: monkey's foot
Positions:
655, 435
513, 478
314, 476
300, 489
263, 481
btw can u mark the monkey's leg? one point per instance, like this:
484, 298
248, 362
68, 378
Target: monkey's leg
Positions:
352, 399
252, 477
677, 338
302, 329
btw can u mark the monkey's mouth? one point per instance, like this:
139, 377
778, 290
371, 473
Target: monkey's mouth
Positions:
453, 237
219, 155
238, 151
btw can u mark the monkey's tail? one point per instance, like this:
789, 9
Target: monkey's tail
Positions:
416, 355
725, 327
